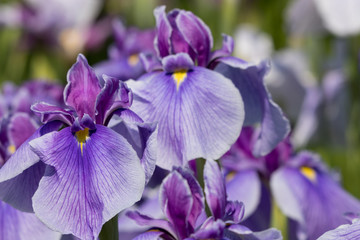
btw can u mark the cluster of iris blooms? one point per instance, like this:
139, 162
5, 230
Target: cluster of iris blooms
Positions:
196, 137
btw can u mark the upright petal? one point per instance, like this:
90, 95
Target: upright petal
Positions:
176, 201
162, 40
259, 107
82, 88
215, 191
88, 184
200, 113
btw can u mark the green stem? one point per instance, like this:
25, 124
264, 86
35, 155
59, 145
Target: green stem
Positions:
110, 230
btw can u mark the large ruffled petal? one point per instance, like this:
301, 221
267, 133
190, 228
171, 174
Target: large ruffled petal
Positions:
15, 225
346, 231
259, 107
200, 115
309, 195
86, 184
82, 89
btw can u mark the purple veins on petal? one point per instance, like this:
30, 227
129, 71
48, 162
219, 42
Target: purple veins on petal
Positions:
89, 185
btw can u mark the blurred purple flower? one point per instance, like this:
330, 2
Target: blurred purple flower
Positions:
308, 193
124, 60
92, 172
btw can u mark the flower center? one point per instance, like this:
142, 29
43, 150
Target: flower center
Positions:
133, 59
82, 136
309, 173
179, 76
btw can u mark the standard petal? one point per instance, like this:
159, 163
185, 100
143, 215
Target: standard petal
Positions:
162, 44
259, 107
200, 117
82, 88
215, 191
15, 225
176, 202
309, 196
114, 95
85, 186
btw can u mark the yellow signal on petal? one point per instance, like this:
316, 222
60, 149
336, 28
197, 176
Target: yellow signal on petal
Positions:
179, 76
133, 59
309, 173
82, 136
11, 149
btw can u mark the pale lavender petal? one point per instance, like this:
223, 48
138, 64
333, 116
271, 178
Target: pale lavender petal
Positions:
142, 137
346, 231
89, 184
269, 234
259, 107
20, 128
176, 202
82, 88
215, 191
183, 135
150, 62
244, 186
50, 113
316, 197
24, 157
144, 220
15, 225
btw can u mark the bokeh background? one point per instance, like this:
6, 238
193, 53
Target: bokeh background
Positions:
294, 25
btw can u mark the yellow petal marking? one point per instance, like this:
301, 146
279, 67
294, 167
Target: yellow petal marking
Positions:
309, 173
230, 176
82, 136
179, 76
11, 149
133, 59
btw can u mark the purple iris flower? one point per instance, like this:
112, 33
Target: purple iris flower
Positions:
124, 56
247, 176
200, 112
182, 202
92, 172
309, 194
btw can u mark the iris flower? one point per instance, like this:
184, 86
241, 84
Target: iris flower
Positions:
92, 172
